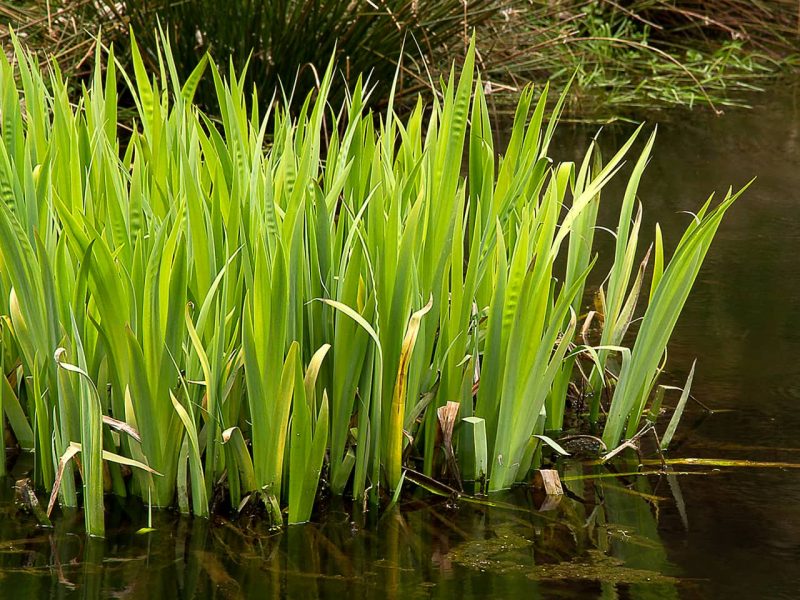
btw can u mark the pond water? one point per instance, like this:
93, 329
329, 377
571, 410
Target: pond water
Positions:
732, 533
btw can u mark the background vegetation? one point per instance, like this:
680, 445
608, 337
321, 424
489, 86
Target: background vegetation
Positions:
627, 55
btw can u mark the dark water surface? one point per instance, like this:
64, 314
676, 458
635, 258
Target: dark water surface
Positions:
732, 534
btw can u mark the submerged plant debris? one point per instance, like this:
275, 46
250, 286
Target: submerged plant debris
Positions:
598, 566
508, 552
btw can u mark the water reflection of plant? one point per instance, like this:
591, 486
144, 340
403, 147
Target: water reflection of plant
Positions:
602, 545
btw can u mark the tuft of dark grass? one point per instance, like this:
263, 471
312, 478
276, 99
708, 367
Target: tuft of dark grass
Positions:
283, 44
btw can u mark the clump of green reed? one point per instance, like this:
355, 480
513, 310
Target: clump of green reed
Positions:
255, 301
